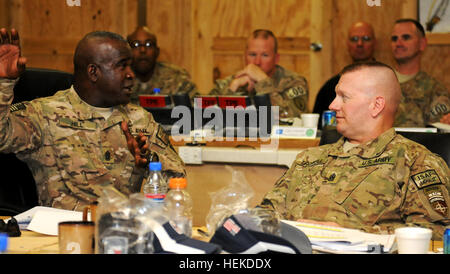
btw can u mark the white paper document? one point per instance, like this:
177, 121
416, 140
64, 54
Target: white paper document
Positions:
45, 220
342, 240
443, 127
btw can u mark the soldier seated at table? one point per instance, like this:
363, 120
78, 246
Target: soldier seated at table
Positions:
372, 178
262, 74
152, 74
80, 140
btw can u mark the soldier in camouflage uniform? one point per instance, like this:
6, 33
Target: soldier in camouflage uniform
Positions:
150, 74
262, 75
425, 100
78, 141
371, 179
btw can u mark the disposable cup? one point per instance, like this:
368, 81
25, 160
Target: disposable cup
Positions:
413, 240
310, 119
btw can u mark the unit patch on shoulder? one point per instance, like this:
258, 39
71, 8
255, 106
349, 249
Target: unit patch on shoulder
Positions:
17, 107
436, 199
295, 92
426, 178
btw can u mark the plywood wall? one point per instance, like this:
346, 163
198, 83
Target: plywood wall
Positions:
50, 29
221, 28
207, 37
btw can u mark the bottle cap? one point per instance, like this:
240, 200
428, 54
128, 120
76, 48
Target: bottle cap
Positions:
3, 242
155, 166
177, 183
156, 90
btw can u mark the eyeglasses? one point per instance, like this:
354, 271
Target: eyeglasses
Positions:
11, 228
137, 44
364, 38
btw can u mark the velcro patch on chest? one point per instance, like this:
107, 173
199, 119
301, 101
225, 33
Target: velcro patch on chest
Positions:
85, 125
426, 178
378, 161
144, 131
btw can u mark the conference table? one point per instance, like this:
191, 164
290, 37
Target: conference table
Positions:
261, 161
35, 243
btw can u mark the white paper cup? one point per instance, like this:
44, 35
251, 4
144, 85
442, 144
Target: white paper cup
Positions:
310, 119
413, 240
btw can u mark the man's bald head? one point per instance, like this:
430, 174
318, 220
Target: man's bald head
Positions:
86, 53
382, 81
361, 41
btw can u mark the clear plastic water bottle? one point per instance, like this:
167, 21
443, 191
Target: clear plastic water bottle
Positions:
178, 205
155, 188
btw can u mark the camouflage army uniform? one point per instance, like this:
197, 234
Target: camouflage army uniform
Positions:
72, 151
170, 79
287, 90
424, 101
374, 187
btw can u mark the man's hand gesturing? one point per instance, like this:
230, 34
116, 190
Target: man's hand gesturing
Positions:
11, 63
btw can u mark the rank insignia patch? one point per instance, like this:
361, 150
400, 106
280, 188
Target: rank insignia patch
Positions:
17, 107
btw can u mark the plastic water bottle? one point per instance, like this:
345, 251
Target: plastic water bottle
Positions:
178, 205
155, 188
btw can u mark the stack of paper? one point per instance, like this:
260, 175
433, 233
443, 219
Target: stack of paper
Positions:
343, 240
45, 220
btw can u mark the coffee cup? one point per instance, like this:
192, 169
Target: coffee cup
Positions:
91, 209
76, 237
310, 120
413, 240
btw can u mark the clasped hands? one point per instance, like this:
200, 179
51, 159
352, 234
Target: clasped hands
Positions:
249, 76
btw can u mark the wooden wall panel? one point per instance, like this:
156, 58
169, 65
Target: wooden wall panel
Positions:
5, 13
220, 30
50, 29
194, 33
436, 62
170, 20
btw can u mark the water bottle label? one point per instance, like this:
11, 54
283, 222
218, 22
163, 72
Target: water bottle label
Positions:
157, 197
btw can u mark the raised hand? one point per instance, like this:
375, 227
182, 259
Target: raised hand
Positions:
11, 63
